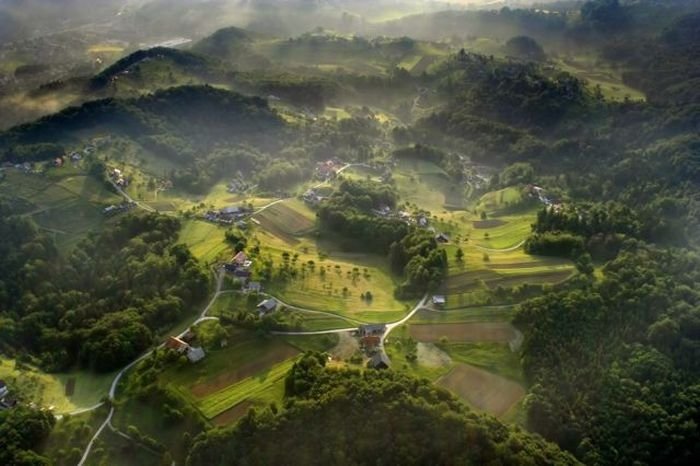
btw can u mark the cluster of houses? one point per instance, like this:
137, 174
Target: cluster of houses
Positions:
113, 209
193, 354
541, 195
370, 336
5, 401
118, 178
312, 197
229, 216
327, 170
240, 267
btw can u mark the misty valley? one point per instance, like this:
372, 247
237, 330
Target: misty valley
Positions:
349, 232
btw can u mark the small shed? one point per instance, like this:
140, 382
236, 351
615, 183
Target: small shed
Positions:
3, 389
195, 354
439, 300
268, 305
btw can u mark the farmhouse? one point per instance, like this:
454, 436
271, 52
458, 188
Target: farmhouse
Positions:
3, 389
240, 258
439, 300
268, 305
182, 347
371, 330
326, 170
177, 344
379, 361
371, 342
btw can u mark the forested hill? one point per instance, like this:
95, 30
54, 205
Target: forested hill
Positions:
351, 417
232, 45
193, 62
202, 114
101, 306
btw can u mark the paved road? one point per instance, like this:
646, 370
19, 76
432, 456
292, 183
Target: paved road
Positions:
126, 196
420, 305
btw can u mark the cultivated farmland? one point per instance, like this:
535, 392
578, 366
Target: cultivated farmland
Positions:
485, 391
501, 332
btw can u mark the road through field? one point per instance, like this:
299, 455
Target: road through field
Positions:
113, 388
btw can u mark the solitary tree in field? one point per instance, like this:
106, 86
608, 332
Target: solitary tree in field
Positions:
459, 255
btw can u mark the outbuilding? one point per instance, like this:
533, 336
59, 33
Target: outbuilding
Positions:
379, 361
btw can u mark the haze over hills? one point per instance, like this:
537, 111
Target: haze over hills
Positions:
349, 231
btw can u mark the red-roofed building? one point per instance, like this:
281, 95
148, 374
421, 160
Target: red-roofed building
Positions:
177, 344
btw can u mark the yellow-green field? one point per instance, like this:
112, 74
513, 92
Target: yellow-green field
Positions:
427, 186
205, 240
65, 202
597, 73
339, 287
287, 220
242, 371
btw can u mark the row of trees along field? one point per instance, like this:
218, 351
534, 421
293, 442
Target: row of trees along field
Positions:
322, 405
100, 306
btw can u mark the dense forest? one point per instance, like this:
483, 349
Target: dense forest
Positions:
101, 306
613, 364
332, 407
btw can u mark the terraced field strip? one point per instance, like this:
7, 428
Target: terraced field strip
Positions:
471, 314
484, 390
496, 200
423, 64
240, 370
311, 321
500, 332
205, 240
474, 280
285, 222
220, 401
232, 414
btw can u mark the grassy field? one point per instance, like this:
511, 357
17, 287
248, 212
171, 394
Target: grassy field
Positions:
482, 389
205, 240
244, 370
497, 200
491, 356
338, 289
311, 321
497, 332
470, 314
63, 392
64, 202
599, 74
287, 220
427, 186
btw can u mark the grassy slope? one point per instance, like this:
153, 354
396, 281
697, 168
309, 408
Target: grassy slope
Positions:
50, 389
